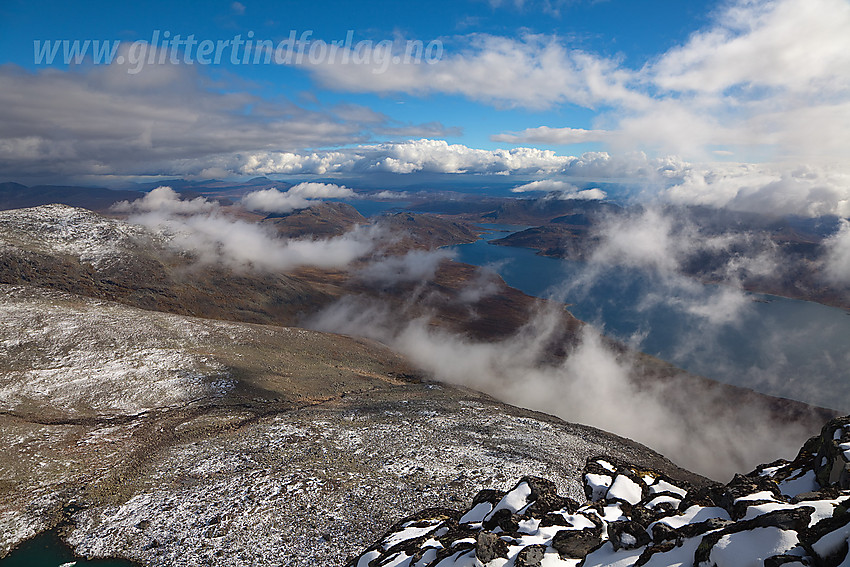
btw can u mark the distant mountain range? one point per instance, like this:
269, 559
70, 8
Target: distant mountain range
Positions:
17, 196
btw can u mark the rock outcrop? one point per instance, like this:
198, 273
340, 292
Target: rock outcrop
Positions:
783, 513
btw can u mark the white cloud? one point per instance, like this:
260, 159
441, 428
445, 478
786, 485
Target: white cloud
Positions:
791, 45
766, 80
390, 195
166, 119
660, 243
166, 200
311, 190
274, 201
645, 241
533, 71
432, 156
562, 190
765, 74
552, 136
593, 385
414, 266
100, 121
773, 189
810, 190
837, 258
298, 196
206, 231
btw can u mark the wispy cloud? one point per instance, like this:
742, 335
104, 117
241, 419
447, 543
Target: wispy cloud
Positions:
837, 258
594, 384
202, 228
552, 136
413, 266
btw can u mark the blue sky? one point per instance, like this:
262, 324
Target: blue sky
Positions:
633, 32
716, 102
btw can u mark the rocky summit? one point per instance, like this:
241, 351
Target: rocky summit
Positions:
783, 513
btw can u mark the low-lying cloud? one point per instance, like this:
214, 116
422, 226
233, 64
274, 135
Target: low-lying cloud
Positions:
212, 236
298, 196
673, 281
836, 260
599, 384
594, 385
562, 190
414, 266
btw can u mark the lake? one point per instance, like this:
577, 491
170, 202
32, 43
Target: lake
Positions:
774, 345
48, 550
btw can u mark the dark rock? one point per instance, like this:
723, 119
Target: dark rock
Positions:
627, 535
576, 544
741, 486
530, 556
810, 536
448, 519
662, 532
645, 516
653, 549
828, 493
699, 528
457, 550
796, 519
454, 532
823, 454
489, 546
545, 498
487, 495
554, 519
779, 560
708, 496
504, 519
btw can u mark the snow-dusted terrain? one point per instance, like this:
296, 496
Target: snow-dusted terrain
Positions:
86, 235
784, 513
80, 357
176, 440
187, 441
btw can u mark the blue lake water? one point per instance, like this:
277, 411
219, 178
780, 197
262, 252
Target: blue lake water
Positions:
48, 550
778, 346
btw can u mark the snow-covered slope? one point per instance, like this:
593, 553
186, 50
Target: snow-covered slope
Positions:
784, 513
